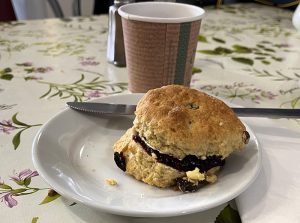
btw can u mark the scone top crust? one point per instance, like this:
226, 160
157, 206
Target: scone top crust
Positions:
181, 121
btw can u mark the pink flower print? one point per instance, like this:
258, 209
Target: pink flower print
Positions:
256, 99
26, 64
268, 94
94, 94
208, 87
6, 126
43, 69
23, 179
8, 199
24, 176
88, 61
7, 195
194, 81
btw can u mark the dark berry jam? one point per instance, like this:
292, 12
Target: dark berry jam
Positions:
188, 163
246, 137
120, 160
187, 186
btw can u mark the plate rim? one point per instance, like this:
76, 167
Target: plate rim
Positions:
136, 213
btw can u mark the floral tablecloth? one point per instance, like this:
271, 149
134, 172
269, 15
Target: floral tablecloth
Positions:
248, 54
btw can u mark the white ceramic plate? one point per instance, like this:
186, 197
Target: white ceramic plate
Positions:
73, 153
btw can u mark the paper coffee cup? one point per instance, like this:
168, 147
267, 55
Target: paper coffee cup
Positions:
160, 43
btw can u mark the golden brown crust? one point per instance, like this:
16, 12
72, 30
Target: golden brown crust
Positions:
180, 121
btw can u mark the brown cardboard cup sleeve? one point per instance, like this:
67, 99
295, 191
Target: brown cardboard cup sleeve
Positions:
159, 54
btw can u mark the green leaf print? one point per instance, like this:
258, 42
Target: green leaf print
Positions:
269, 50
27, 181
7, 77
223, 50
6, 107
219, 40
196, 70
209, 52
17, 139
8, 45
35, 220
294, 103
5, 186
17, 122
18, 191
243, 60
47, 92
228, 215
82, 90
6, 74
260, 46
276, 76
241, 91
8, 126
241, 49
217, 51
279, 59
266, 62
48, 199
52, 195
262, 52
259, 58
202, 39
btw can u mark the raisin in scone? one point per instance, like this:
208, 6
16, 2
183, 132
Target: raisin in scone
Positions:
180, 136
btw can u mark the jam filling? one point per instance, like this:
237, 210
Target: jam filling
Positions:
188, 163
120, 160
187, 186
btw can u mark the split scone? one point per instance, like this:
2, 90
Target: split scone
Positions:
180, 136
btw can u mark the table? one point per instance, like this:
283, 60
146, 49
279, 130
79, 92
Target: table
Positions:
248, 54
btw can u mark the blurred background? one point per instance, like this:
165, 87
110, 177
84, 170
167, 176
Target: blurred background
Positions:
38, 9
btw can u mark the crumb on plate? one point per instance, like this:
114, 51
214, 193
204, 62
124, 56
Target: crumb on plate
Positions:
111, 182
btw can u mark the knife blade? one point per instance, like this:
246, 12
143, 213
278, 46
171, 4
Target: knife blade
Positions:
125, 109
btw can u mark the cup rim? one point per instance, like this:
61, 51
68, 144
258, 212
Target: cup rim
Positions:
124, 14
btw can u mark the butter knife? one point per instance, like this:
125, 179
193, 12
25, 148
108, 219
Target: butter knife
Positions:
124, 109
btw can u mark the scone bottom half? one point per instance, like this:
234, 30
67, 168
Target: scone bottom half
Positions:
152, 152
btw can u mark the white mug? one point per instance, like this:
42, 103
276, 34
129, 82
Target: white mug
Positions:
296, 18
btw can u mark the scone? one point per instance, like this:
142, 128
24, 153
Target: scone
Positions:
180, 136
